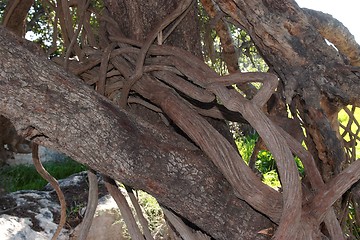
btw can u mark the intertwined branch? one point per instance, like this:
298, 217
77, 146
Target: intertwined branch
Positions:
168, 81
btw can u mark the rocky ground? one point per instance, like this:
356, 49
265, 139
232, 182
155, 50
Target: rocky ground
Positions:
34, 214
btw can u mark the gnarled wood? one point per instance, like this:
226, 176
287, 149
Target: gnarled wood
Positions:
132, 151
178, 87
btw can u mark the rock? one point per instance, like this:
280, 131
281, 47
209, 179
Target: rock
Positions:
107, 224
29, 215
34, 215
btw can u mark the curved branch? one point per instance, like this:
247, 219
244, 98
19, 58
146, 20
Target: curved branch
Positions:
333, 190
185, 4
269, 81
278, 146
124, 207
54, 183
144, 223
246, 184
334, 31
15, 15
184, 231
91, 205
315, 179
59, 111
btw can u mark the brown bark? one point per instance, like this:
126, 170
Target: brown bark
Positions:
305, 63
335, 32
92, 130
308, 68
15, 15
230, 55
57, 110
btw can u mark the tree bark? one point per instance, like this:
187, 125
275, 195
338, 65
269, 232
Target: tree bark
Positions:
313, 73
57, 110
15, 15
307, 66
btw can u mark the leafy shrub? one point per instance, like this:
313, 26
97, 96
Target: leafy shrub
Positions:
265, 162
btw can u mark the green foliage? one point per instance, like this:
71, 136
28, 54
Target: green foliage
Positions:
351, 224
249, 58
271, 179
74, 209
265, 162
44, 28
25, 177
40, 26
2, 9
245, 145
152, 213
350, 220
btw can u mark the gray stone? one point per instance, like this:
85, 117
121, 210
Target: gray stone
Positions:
30, 214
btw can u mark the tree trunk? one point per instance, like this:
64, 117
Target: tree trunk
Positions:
310, 69
57, 110
189, 166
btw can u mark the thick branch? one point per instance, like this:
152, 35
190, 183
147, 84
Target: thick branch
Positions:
334, 31
58, 110
15, 15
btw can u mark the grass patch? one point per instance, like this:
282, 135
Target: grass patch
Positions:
25, 177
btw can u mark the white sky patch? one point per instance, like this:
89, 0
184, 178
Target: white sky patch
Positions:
346, 11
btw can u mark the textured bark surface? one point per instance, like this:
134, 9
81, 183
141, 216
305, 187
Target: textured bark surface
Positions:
57, 110
145, 15
15, 15
200, 176
312, 72
307, 66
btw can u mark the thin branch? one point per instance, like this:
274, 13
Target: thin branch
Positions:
91, 205
125, 210
42, 171
9, 11
315, 179
184, 231
333, 190
277, 145
103, 68
144, 223
82, 10
246, 184
191, 90
269, 80
150, 39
